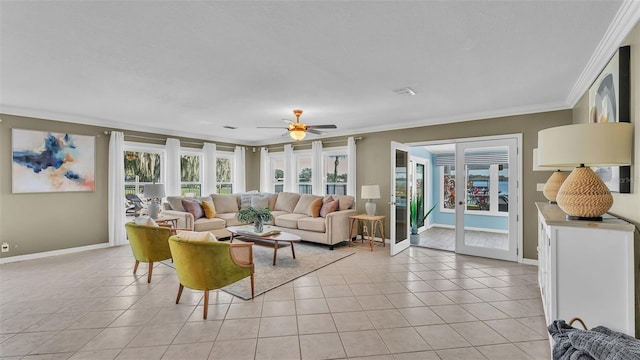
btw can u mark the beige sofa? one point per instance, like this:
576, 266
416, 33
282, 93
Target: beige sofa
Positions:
293, 213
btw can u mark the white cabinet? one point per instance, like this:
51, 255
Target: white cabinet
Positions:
585, 269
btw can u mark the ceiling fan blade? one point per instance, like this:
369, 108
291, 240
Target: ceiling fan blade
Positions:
314, 131
270, 127
321, 127
288, 121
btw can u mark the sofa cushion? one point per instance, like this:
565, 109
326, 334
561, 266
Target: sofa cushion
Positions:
225, 203
175, 202
309, 205
230, 219
345, 201
273, 197
289, 220
209, 209
260, 202
287, 201
328, 207
197, 236
204, 224
193, 207
316, 224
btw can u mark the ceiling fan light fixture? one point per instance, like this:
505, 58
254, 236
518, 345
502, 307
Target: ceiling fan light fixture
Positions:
297, 134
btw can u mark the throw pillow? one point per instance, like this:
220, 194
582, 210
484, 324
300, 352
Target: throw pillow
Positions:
145, 220
209, 209
196, 235
346, 202
245, 200
194, 208
260, 202
327, 198
328, 207
306, 205
315, 207
175, 202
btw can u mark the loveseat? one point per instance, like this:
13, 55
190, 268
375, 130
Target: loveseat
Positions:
323, 220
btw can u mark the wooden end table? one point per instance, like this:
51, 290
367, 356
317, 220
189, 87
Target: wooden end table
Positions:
281, 239
374, 222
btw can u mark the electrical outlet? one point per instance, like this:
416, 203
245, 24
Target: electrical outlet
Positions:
5, 247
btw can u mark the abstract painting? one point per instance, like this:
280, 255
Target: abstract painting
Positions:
52, 162
609, 101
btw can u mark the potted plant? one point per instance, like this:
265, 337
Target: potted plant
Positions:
255, 216
415, 221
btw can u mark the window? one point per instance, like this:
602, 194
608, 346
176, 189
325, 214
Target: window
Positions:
303, 171
191, 173
277, 171
336, 170
224, 173
448, 181
142, 166
486, 190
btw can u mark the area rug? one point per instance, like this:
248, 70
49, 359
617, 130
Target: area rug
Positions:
309, 257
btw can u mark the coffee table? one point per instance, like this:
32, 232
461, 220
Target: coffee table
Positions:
281, 239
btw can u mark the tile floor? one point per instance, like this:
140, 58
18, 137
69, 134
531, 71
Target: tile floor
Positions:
420, 304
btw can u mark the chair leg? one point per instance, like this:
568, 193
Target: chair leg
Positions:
150, 271
135, 267
206, 304
179, 293
252, 285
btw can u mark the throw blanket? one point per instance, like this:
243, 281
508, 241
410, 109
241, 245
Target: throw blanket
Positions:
599, 343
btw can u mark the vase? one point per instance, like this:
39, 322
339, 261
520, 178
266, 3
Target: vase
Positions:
258, 225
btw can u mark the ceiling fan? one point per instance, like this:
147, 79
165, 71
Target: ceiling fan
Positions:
298, 130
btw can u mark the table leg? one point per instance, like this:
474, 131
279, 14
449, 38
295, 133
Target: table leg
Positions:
351, 232
372, 234
293, 251
275, 252
231, 238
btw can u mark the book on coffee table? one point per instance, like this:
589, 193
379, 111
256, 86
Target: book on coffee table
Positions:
250, 230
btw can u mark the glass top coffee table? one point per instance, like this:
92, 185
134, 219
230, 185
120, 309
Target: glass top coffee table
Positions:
281, 239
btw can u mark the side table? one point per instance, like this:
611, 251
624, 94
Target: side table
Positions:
372, 223
168, 220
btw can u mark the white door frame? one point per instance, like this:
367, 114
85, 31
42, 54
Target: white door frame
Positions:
519, 206
397, 245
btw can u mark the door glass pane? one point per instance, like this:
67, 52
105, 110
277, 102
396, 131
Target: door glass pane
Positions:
401, 195
486, 190
420, 169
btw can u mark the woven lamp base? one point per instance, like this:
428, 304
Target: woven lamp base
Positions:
583, 195
552, 186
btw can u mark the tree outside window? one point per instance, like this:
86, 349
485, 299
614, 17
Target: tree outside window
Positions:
336, 170
140, 168
224, 171
190, 174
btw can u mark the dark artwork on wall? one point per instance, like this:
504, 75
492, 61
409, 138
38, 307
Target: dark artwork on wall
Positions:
609, 101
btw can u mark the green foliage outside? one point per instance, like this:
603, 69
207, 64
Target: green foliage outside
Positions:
189, 168
223, 170
143, 164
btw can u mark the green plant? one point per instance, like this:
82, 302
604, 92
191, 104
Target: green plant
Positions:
414, 216
250, 215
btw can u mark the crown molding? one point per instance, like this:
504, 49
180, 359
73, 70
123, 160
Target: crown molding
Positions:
627, 17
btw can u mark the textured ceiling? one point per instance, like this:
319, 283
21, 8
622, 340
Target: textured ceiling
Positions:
190, 68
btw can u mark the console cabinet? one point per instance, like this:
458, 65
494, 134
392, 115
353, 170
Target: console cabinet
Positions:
585, 269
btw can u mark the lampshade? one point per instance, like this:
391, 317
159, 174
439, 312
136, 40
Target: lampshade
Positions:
297, 135
600, 144
154, 191
538, 167
370, 192
583, 195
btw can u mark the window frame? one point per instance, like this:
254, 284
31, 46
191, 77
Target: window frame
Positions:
326, 153
148, 148
272, 179
230, 156
298, 155
200, 155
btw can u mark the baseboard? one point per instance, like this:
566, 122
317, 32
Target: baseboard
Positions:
529, 261
43, 254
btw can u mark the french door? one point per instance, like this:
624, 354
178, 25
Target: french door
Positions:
399, 211
486, 199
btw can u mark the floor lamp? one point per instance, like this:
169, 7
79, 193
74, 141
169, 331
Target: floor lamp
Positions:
583, 195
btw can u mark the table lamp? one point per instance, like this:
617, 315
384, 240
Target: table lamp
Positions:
583, 195
551, 187
370, 192
155, 192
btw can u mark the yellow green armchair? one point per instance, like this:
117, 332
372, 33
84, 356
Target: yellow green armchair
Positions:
149, 244
209, 265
